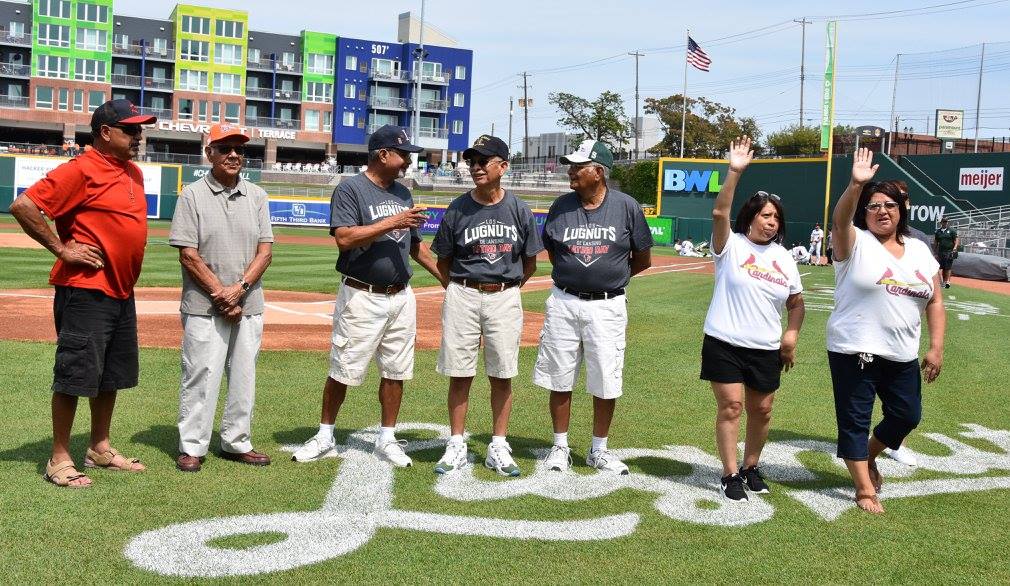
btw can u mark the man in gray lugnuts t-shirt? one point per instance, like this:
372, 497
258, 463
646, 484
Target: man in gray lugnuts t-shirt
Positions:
597, 238
487, 243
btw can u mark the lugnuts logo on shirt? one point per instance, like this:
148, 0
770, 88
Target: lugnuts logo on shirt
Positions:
922, 290
390, 207
491, 240
588, 243
774, 275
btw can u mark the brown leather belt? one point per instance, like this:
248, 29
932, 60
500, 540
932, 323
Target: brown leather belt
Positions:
385, 290
484, 287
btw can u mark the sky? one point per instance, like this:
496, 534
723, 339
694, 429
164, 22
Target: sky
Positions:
755, 47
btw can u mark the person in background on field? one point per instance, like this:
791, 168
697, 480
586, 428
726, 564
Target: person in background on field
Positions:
945, 243
745, 350
799, 253
97, 203
222, 229
884, 282
816, 241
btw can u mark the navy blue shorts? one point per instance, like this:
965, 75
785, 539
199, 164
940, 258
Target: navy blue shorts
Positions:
96, 342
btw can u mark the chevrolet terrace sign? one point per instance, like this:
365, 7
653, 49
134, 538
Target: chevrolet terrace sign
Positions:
205, 129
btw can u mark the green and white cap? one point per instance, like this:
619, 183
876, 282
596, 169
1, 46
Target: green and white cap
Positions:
590, 151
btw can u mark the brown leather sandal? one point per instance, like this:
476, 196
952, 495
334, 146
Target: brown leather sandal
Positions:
872, 497
63, 474
107, 460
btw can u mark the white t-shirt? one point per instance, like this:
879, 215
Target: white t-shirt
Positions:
752, 283
816, 235
879, 299
686, 247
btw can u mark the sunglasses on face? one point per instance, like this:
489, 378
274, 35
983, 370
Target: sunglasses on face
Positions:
128, 129
227, 149
877, 205
483, 162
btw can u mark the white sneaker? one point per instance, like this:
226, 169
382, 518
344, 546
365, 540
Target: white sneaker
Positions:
453, 459
315, 448
560, 458
392, 451
605, 460
499, 459
903, 455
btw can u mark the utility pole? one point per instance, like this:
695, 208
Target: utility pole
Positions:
803, 52
510, 126
526, 118
894, 96
492, 128
978, 98
636, 55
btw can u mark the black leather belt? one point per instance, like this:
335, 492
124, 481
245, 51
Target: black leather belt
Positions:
484, 287
385, 290
593, 295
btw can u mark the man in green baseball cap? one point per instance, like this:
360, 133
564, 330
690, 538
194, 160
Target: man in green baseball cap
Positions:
590, 151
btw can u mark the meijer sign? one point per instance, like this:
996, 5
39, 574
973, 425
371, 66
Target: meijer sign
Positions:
980, 179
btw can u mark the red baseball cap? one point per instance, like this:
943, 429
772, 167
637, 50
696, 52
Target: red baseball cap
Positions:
219, 132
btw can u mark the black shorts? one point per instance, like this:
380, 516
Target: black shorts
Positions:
722, 362
96, 342
946, 259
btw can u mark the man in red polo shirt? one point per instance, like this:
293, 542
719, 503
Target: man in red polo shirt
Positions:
98, 205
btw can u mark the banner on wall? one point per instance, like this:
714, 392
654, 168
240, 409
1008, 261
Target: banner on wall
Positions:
29, 170
662, 230
299, 212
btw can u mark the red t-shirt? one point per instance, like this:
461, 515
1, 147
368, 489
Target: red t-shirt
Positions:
97, 200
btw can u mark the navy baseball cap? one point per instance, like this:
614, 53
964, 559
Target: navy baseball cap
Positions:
489, 146
119, 112
392, 137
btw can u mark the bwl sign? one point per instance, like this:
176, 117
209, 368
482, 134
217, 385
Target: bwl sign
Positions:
360, 501
205, 129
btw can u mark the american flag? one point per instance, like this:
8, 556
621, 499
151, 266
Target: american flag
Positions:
696, 56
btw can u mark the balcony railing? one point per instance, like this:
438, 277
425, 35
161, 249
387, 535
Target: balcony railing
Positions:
136, 50
13, 101
440, 79
388, 103
389, 75
268, 65
160, 113
135, 81
19, 39
435, 105
424, 132
266, 122
15, 69
261, 93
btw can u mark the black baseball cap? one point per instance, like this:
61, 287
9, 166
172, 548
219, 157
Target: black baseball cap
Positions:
489, 146
119, 112
392, 137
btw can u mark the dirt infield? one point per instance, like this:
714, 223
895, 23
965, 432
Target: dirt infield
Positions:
293, 320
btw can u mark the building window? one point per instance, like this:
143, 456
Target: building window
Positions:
252, 83
159, 73
351, 63
288, 60
350, 91
328, 121
202, 104
91, 39
461, 72
192, 80
117, 95
251, 113
185, 109
319, 92
117, 69
457, 127
288, 86
194, 50
287, 114
312, 120
430, 71
228, 28
227, 54
44, 97
320, 64
78, 100
92, 12
52, 66
64, 104
158, 102
254, 55
231, 113
54, 8
227, 83
89, 70
159, 47
95, 99
386, 68
348, 118
54, 35
118, 41
458, 99
215, 112
197, 25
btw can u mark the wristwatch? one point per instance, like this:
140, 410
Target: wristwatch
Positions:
245, 285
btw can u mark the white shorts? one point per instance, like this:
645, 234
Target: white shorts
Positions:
577, 330
373, 324
467, 315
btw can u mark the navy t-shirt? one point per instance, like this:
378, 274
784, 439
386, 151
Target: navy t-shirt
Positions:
592, 248
487, 242
359, 202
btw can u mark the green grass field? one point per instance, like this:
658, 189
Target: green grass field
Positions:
49, 534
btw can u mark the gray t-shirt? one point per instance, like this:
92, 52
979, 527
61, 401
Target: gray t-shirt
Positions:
225, 226
487, 242
592, 248
359, 202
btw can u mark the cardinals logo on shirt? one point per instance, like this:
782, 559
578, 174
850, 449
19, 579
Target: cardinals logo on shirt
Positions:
590, 242
491, 240
922, 289
390, 207
774, 275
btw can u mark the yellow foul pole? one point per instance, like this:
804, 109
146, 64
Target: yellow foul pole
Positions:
829, 104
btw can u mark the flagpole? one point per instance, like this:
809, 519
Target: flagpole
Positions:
683, 113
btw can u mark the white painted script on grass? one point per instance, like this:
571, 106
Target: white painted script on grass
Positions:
361, 501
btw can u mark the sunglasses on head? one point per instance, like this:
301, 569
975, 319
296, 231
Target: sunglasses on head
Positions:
227, 149
767, 195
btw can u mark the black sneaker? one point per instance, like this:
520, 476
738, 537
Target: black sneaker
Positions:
754, 480
732, 488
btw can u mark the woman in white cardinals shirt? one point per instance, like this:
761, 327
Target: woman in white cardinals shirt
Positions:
884, 280
744, 350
